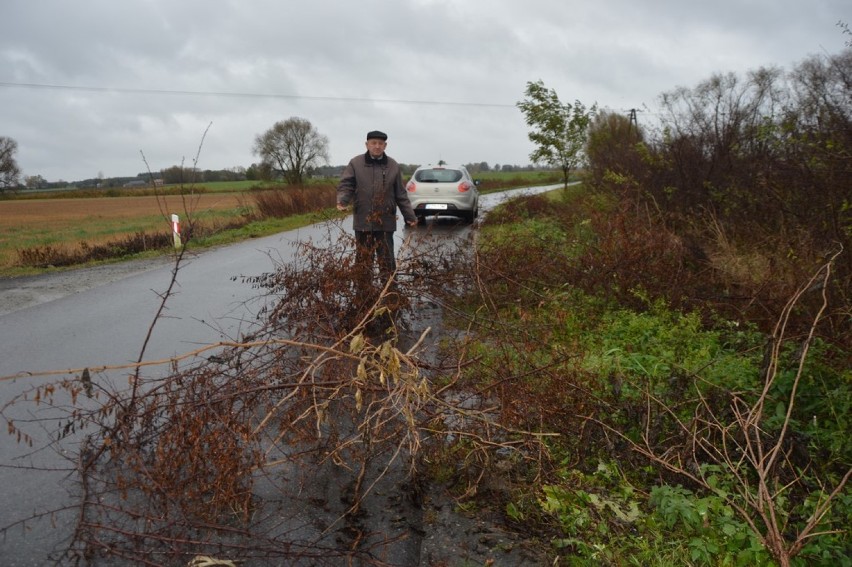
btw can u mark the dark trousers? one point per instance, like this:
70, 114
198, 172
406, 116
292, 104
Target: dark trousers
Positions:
375, 245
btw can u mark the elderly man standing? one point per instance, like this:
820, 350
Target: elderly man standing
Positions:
372, 183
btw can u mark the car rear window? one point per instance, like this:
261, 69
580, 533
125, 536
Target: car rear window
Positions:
438, 175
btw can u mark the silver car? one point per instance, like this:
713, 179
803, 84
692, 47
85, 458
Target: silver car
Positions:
443, 190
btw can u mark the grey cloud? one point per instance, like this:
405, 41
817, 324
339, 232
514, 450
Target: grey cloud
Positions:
325, 58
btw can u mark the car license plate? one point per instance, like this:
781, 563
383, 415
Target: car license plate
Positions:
438, 206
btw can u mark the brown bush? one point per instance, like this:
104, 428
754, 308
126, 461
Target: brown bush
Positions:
294, 200
211, 455
749, 177
46, 256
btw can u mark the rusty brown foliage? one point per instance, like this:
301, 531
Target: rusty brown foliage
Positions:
219, 452
751, 173
48, 255
291, 200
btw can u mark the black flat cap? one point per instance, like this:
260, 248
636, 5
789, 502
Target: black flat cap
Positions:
377, 134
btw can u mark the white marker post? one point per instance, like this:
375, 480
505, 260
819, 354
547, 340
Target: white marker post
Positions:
176, 231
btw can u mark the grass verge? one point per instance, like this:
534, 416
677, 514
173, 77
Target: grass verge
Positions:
589, 325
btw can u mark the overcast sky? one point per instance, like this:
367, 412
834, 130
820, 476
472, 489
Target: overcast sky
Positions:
89, 87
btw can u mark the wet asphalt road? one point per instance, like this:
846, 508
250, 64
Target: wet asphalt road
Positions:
106, 325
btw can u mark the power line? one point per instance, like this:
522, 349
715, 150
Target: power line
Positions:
250, 95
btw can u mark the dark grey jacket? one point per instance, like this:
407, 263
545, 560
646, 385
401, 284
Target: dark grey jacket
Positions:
375, 187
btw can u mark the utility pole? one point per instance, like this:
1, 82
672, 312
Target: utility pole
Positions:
633, 120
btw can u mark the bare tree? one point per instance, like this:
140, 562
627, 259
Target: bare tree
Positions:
9, 170
292, 147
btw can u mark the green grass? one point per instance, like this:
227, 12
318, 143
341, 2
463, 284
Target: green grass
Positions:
562, 355
265, 227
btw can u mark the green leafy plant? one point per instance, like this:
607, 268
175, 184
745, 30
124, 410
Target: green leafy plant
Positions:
714, 533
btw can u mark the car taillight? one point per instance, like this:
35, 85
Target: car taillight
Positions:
411, 187
464, 186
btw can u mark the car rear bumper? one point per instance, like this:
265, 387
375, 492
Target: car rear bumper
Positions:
440, 209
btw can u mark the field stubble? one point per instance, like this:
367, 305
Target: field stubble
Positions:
67, 223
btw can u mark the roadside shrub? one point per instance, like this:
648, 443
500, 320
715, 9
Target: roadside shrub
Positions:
750, 173
604, 321
529, 245
46, 256
294, 200
632, 249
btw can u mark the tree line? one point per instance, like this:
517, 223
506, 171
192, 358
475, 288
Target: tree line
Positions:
292, 151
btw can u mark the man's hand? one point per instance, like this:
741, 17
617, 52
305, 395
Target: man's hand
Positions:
411, 222
341, 207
